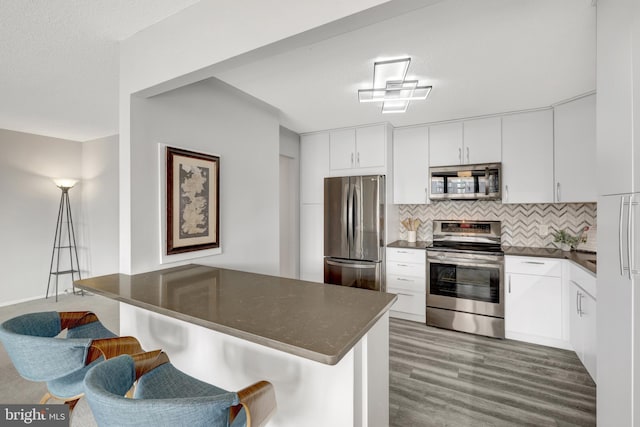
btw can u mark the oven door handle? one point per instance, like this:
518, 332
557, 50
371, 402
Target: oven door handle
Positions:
463, 261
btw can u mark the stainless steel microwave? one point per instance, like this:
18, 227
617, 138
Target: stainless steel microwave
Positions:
466, 182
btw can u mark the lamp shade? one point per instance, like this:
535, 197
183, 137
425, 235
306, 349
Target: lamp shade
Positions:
65, 182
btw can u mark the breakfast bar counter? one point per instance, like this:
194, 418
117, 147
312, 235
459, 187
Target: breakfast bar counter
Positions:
324, 347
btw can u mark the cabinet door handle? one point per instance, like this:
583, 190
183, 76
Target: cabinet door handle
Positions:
509, 283
468, 161
358, 159
351, 159
580, 304
630, 236
577, 303
460, 154
620, 236
506, 193
557, 191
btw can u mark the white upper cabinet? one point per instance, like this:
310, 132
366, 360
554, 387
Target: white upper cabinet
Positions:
575, 151
342, 149
371, 146
358, 150
314, 166
617, 80
411, 165
445, 144
482, 140
527, 157
468, 142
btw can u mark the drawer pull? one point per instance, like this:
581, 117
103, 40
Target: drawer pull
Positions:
402, 279
534, 262
402, 293
402, 265
402, 252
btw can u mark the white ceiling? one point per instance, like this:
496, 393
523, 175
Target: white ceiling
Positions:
60, 66
482, 57
59, 74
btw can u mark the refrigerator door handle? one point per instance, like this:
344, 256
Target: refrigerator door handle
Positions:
349, 207
351, 264
620, 236
630, 236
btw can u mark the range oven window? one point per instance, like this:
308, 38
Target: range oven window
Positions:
473, 283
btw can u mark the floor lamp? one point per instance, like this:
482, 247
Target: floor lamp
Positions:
65, 220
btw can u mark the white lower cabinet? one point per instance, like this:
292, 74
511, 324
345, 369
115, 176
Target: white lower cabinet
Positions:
533, 300
582, 313
406, 277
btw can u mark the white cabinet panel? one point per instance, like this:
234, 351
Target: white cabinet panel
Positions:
406, 277
356, 151
370, 146
445, 144
582, 313
482, 140
406, 269
533, 306
575, 151
533, 265
314, 166
408, 302
407, 255
615, 331
342, 149
312, 242
527, 157
411, 165
616, 79
406, 283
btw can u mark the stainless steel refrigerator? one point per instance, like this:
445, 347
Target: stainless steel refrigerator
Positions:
354, 231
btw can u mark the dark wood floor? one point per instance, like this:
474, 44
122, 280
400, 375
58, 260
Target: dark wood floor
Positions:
446, 378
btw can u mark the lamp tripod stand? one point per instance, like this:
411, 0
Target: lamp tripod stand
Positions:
64, 219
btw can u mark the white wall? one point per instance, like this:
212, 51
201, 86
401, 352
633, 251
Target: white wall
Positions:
213, 118
186, 46
289, 203
29, 209
99, 225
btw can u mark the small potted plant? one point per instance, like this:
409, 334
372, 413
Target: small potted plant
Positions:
564, 240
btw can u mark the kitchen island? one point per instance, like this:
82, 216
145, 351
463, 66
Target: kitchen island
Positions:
325, 348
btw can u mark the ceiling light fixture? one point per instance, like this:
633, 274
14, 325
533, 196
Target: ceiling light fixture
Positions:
391, 87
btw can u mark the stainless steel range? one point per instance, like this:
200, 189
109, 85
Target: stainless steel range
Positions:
465, 270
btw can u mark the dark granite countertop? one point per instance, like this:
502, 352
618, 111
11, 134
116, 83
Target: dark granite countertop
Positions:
311, 320
583, 259
406, 245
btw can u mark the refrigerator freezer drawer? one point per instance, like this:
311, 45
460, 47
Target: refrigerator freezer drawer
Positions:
355, 274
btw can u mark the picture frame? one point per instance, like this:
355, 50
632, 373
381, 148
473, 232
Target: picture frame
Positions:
192, 201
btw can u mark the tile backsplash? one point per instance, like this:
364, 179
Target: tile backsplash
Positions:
521, 223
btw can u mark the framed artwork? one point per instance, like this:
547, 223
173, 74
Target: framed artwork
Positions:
193, 210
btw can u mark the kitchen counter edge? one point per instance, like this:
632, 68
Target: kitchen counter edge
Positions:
583, 259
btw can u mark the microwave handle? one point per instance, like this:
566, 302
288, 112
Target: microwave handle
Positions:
486, 179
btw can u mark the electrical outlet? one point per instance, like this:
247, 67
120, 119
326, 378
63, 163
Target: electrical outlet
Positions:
543, 230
